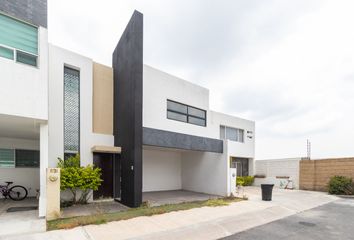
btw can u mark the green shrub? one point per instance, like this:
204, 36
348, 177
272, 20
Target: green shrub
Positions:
240, 181
244, 181
341, 185
76, 178
249, 180
73, 161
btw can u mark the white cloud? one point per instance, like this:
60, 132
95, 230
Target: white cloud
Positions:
286, 64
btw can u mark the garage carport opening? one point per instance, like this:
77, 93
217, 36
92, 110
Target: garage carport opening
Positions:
20, 164
177, 175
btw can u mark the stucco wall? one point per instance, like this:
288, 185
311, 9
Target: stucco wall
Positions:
166, 169
160, 86
273, 168
161, 170
58, 58
27, 177
315, 174
244, 149
205, 172
201, 171
102, 99
24, 86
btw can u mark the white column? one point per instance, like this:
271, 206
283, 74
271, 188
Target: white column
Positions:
43, 166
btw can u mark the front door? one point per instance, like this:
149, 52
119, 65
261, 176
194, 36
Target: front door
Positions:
242, 166
105, 162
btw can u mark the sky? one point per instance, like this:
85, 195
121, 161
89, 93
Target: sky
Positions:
286, 64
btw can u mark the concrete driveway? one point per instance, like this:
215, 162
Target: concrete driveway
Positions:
199, 223
330, 221
22, 222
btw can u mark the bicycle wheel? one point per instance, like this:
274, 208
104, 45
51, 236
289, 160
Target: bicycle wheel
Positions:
17, 193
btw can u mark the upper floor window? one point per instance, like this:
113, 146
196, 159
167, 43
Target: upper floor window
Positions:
233, 134
184, 113
18, 41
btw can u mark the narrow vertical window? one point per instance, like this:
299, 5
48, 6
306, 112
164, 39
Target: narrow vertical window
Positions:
71, 112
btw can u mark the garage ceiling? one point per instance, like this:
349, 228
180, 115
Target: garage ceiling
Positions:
19, 127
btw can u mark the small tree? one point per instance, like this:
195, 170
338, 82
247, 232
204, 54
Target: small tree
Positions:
76, 178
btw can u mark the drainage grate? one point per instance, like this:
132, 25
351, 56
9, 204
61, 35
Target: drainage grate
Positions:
307, 224
20, 209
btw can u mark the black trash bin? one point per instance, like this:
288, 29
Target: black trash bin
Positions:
267, 190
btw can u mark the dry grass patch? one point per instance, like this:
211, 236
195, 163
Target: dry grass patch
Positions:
66, 223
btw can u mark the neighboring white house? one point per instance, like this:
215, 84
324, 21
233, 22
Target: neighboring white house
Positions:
23, 98
146, 129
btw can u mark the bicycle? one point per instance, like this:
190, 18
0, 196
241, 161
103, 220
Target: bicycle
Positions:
289, 184
16, 193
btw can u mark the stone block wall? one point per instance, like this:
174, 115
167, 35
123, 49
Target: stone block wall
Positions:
315, 174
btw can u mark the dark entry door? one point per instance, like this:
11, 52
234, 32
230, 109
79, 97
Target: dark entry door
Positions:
105, 162
117, 176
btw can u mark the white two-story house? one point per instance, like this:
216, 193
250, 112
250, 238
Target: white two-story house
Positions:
185, 142
146, 129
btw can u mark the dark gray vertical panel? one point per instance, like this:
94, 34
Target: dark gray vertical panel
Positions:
32, 11
128, 96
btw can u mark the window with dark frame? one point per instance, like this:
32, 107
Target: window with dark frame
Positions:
27, 158
19, 158
185, 113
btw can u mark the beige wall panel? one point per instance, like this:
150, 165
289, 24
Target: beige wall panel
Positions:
102, 99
